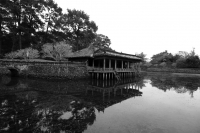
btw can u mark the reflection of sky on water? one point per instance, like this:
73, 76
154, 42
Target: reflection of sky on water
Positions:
167, 104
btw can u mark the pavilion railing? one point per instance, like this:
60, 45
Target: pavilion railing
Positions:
111, 69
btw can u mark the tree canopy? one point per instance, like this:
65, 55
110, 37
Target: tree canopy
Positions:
80, 31
143, 56
182, 59
33, 23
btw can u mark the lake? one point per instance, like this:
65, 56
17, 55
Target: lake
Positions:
154, 103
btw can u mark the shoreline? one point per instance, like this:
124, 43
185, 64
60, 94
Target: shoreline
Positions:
178, 72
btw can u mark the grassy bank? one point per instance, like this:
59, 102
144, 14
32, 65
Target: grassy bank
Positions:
174, 70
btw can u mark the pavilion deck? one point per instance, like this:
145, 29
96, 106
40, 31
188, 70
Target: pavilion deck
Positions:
111, 73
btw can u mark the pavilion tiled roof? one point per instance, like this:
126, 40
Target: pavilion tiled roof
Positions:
86, 52
93, 51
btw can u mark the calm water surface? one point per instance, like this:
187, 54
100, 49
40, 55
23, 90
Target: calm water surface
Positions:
155, 103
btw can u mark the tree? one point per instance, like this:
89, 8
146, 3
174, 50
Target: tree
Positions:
143, 56
101, 41
193, 62
31, 20
80, 31
56, 51
183, 54
21, 20
51, 14
3, 16
32, 23
5, 19
161, 57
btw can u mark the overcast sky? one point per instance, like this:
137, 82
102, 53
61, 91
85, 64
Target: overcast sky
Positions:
148, 26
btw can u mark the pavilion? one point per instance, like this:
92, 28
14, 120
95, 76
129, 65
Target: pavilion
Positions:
104, 63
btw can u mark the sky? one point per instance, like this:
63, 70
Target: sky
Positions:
148, 26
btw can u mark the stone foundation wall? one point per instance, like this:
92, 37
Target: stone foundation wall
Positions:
70, 70
3, 70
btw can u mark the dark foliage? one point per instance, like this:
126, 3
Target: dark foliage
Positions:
193, 62
32, 23
182, 59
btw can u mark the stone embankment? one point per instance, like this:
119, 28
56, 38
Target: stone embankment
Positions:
48, 70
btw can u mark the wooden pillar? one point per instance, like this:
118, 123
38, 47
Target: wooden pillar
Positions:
104, 64
103, 94
122, 64
115, 64
139, 67
128, 65
103, 76
87, 63
109, 63
135, 66
98, 63
93, 63
114, 92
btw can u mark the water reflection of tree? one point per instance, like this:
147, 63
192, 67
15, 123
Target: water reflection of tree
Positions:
81, 113
140, 83
16, 114
178, 83
43, 113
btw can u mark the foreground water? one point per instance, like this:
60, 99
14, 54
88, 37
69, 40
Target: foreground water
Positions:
156, 103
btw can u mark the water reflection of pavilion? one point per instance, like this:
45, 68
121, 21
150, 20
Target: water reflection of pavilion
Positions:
107, 93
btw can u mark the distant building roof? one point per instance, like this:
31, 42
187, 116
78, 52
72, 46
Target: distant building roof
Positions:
93, 51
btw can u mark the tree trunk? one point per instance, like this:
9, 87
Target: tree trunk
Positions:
20, 40
47, 31
13, 43
0, 34
19, 24
20, 34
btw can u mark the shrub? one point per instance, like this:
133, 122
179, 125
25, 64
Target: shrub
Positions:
181, 63
173, 64
155, 65
148, 64
23, 54
193, 62
163, 64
